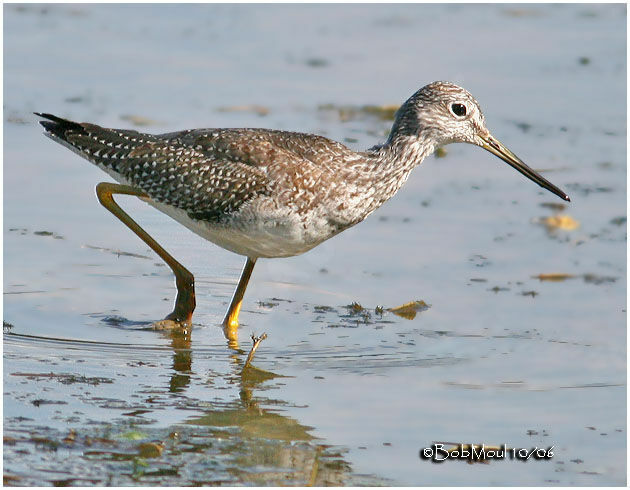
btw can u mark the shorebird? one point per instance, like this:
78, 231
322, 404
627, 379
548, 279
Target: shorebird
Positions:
268, 193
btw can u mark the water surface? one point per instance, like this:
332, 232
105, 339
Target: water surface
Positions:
506, 353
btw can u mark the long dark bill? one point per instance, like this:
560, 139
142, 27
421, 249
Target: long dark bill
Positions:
496, 148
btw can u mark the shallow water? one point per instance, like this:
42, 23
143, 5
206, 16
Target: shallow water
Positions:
339, 395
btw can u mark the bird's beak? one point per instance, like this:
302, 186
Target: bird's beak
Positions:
495, 147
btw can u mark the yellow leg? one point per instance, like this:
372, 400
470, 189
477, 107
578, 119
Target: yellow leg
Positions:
185, 281
230, 323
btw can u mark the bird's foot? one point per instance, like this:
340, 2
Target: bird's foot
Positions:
230, 325
175, 320
168, 324
256, 342
230, 330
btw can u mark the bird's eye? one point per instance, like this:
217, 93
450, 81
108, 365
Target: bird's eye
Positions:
458, 109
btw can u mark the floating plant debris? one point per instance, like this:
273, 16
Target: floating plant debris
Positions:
410, 310
554, 277
561, 222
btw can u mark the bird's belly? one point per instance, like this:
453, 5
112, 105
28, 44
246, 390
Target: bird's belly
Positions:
268, 236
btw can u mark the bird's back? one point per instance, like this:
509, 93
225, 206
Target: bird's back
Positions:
207, 172
252, 179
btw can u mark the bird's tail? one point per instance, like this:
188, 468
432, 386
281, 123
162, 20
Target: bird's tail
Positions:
107, 148
57, 126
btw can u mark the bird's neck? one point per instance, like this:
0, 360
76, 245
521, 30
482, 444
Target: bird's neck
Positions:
395, 159
403, 153
390, 165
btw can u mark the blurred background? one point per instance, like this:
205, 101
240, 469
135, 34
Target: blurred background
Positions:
524, 338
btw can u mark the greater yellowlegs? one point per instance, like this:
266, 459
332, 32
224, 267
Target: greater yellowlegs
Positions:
266, 193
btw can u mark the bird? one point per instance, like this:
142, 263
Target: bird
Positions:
264, 193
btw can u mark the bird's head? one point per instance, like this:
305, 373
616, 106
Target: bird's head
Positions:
442, 112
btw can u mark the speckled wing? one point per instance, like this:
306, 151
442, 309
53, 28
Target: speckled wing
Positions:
263, 147
294, 166
200, 179
207, 187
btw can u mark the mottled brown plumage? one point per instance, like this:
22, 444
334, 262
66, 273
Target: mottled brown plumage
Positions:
267, 193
